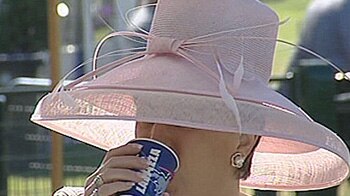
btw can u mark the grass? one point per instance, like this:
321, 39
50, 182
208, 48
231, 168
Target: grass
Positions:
19, 185
295, 11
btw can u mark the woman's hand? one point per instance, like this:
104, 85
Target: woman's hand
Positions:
117, 171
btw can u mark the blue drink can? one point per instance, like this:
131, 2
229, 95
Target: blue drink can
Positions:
164, 163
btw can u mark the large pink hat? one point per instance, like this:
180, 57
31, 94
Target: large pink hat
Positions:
207, 65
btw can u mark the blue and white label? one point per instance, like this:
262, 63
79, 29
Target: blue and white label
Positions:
155, 179
163, 163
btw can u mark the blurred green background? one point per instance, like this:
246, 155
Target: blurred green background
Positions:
295, 11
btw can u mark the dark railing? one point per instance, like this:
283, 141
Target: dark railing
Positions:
25, 148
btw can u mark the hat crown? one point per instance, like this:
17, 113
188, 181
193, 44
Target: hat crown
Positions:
183, 20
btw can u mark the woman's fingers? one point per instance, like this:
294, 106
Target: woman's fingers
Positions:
126, 162
116, 181
120, 167
114, 187
129, 149
114, 175
119, 171
110, 188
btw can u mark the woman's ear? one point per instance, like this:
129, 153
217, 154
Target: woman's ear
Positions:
247, 144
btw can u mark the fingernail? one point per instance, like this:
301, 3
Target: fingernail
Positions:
145, 162
130, 184
141, 175
138, 146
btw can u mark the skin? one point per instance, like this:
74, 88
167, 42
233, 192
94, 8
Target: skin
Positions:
205, 166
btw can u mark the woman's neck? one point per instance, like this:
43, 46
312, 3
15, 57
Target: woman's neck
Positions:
205, 167
205, 178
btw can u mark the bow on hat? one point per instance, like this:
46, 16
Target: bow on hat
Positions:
167, 45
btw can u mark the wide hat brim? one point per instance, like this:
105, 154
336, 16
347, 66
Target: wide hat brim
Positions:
295, 153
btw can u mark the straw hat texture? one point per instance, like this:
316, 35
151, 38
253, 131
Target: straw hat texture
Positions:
207, 65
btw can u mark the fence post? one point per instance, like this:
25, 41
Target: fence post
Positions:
54, 48
3, 161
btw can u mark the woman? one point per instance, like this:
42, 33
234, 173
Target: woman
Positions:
218, 173
201, 88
